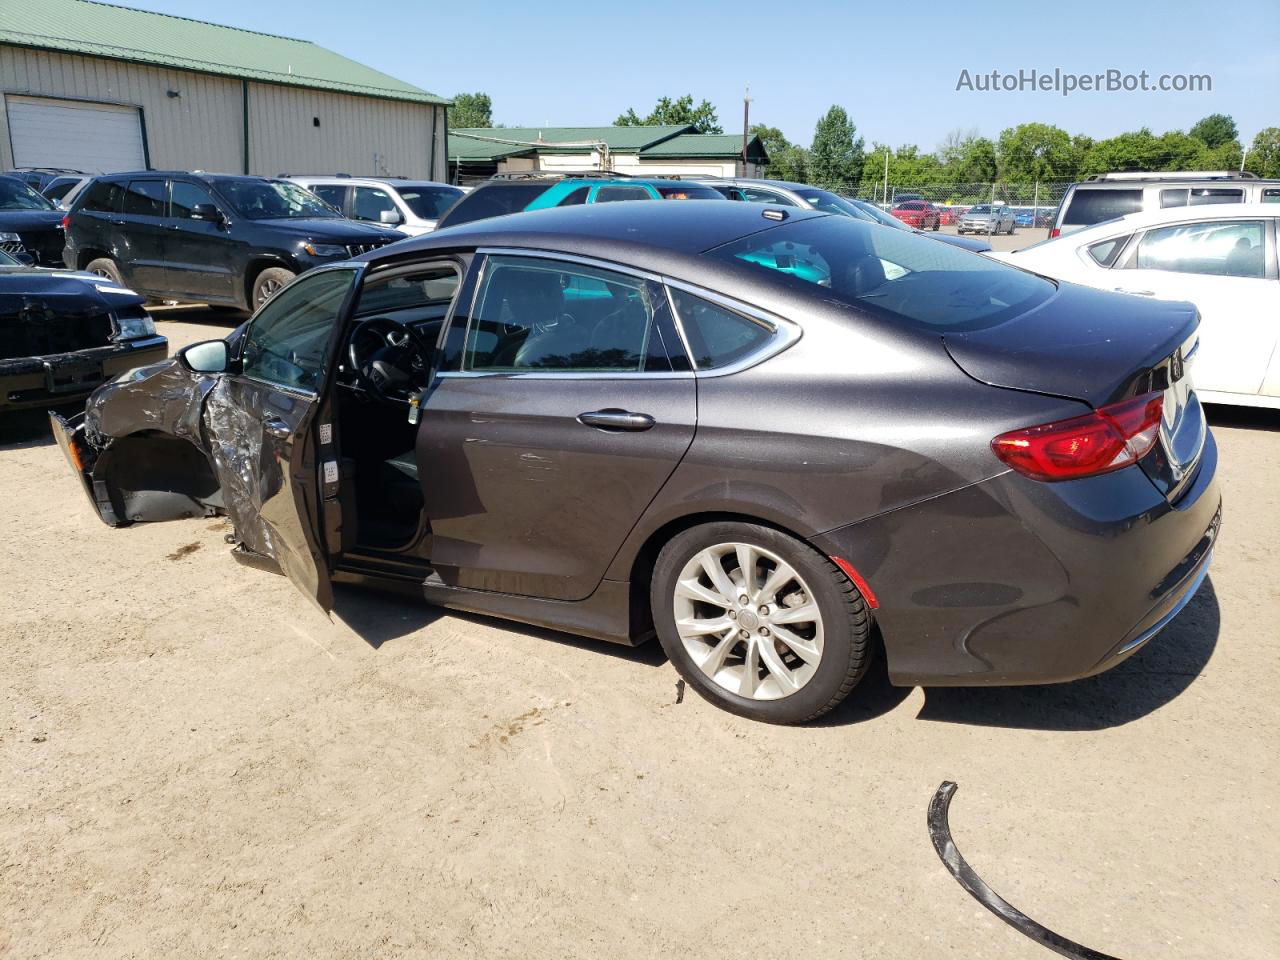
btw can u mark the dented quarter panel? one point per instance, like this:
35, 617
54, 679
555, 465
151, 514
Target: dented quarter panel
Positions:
163, 396
235, 446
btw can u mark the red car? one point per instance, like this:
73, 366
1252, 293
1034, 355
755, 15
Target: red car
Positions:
919, 214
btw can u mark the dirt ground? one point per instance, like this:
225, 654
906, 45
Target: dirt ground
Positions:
195, 763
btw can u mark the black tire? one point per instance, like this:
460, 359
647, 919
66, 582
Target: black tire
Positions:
937, 225
267, 283
106, 268
846, 622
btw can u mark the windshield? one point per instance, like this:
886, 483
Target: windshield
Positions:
879, 216
898, 275
273, 199
16, 195
980, 208
429, 203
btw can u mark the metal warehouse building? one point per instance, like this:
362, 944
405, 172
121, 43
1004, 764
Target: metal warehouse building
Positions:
100, 88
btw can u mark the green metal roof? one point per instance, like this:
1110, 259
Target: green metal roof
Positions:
725, 145
464, 145
123, 33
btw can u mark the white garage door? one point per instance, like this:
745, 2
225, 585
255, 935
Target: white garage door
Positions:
93, 137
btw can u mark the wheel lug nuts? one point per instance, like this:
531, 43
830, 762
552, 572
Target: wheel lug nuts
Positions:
733, 614
744, 598
764, 631
743, 635
764, 611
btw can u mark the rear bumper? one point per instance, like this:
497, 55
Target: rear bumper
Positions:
1011, 581
40, 382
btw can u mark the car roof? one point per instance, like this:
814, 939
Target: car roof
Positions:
643, 235
195, 174
756, 182
379, 181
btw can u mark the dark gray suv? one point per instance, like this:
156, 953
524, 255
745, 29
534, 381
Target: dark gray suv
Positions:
758, 432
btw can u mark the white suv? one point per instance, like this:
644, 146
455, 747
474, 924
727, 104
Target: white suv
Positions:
411, 206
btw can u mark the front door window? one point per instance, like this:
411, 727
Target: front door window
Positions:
288, 342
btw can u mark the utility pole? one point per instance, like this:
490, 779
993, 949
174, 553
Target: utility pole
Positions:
886, 173
746, 125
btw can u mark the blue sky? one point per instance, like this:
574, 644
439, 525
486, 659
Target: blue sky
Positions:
894, 68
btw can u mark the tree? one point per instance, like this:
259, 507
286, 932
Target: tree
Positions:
787, 161
976, 164
1263, 157
1215, 130
1036, 151
471, 110
682, 111
954, 144
835, 158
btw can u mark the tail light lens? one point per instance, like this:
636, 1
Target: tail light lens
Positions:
1108, 439
1054, 232
66, 221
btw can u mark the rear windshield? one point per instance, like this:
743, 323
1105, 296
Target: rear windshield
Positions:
900, 275
496, 201
689, 191
429, 203
1090, 206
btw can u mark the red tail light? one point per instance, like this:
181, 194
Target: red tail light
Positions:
1108, 439
66, 221
1054, 232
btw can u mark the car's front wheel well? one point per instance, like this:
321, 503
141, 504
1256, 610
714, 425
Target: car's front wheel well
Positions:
646, 557
152, 476
88, 255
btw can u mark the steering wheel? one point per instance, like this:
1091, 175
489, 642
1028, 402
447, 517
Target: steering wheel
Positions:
389, 359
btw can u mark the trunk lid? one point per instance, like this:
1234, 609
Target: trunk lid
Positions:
1101, 348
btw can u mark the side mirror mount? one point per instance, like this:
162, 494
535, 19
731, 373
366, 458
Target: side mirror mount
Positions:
207, 211
390, 217
211, 356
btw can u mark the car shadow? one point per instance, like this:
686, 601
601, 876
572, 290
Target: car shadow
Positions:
378, 617
1151, 678
1245, 418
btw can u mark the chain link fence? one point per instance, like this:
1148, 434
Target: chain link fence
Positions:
1034, 204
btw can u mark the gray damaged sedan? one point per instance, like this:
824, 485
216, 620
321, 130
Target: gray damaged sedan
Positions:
772, 437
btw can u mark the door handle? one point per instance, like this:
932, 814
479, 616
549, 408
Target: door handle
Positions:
1139, 293
613, 419
277, 428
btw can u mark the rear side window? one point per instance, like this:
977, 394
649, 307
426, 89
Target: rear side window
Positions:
1222, 248
575, 197
1104, 251
1089, 206
330, 193
754, 195
687, 191
892, 273
144, 198
1271, 195
484, 202
608, 194
103, 197
718, 336
1205, 195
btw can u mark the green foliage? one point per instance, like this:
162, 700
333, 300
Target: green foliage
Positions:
1216, 130
471, 110
682, 111
787, 161
835, 158
1263, 157
976, 164
1037, 151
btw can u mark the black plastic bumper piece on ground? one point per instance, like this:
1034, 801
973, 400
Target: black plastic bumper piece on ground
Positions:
940, 834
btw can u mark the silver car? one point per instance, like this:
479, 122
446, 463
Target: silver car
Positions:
986, 218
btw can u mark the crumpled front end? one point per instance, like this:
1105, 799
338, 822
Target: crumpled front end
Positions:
139, 448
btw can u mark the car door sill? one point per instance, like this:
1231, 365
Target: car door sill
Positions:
605, 615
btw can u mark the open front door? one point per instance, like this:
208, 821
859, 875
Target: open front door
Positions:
270, 450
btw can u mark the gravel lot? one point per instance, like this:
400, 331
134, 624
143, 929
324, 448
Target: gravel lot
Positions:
194, 763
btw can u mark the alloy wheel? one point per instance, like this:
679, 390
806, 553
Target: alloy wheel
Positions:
748, 620
267, 289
